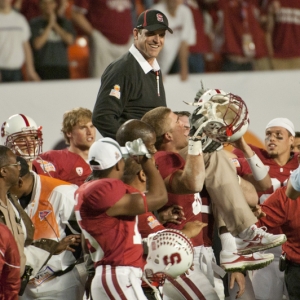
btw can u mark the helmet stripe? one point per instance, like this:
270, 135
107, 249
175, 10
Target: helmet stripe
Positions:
25, 120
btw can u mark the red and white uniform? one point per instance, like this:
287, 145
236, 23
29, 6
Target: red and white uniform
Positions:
114, 242
197, 285
9, 265
268, 283
51, 206
62, 164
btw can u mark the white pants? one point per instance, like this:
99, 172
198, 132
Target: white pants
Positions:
67, 286
103, 52
202, 283
268, 282
117, 283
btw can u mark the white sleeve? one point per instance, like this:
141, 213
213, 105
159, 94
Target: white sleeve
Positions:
295, 179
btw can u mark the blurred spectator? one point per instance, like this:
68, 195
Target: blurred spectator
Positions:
203, 42
31, 9
108, 23
283, 34
51, 36
14, 45
184, 35
243, 38
296, 145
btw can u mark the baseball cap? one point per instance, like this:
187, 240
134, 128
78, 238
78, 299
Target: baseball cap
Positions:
152, 20
106, 152
282, 122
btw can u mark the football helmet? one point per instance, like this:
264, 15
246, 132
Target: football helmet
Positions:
221, 116
170, 253
21, 134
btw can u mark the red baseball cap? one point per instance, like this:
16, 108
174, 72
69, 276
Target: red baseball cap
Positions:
152, 20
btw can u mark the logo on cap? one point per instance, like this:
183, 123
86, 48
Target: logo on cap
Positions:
159, 17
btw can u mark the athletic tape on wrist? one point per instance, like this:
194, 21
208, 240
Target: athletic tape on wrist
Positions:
259, 170
195, 147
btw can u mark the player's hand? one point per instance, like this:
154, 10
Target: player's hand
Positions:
192, 229
137, 150
66, 243
173, 214
239, 278
258, 212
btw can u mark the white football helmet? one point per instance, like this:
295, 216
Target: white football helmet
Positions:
221, 116
21, 134
170, 253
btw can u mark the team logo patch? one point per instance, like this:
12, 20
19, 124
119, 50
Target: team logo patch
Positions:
46, 166
236, 162
79, 171
152, 222
43, 214
159, 17
115, 92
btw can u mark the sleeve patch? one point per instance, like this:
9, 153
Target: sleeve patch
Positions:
115, 92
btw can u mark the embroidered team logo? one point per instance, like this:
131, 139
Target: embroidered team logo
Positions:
46, 166
115, 92
79, 171
152, 222
43, 214
159, 17
236, 162
117, 155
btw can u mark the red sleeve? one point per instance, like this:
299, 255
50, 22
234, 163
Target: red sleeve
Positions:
82, 4
242, 166
168, 163
274, 207
149, 224
9, 265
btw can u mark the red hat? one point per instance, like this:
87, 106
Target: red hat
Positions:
152, 20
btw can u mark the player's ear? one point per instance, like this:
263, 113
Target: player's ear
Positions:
135, 33
142, 176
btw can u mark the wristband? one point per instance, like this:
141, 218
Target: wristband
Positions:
259, 170
195, 147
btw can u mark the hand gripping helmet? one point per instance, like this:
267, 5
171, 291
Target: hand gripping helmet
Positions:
21, 134
221, 116
170, 254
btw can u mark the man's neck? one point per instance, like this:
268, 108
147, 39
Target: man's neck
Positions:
3, 196
5, 10
82, 153
283, 159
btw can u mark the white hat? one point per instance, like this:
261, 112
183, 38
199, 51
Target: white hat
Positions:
282, 122
106, 152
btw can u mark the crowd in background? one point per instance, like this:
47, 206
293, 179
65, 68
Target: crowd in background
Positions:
62, 39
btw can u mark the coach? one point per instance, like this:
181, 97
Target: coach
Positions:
132, 85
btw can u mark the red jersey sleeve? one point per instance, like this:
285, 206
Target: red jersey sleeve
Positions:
148, 224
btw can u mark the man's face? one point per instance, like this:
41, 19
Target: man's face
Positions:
296, 145
177, 131
27, 144
48, 6
278, 142
12, 169
149, 43
82, 135
186, 123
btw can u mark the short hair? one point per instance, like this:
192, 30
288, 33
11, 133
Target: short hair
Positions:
131, 169
72, 118
132, 130
98, 174
24, 166
158, 119
297, 134
4, 155
183, 113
